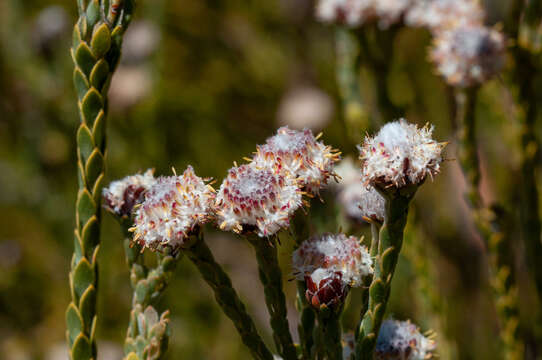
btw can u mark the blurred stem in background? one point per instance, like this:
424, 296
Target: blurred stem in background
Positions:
199, 253
490, 224
271, 278
95, 53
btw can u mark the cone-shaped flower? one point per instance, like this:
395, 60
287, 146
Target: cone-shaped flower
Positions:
256, 197
400, 154
330, 264
173, 207
122, 195
442, 15
359, 200
468, 55
300, 155
402, 340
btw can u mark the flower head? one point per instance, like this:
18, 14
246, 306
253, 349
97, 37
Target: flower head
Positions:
330, 264
442, 15
359, 200
300, 155
402, 340
173, 207
468, 55
122, 195
400, 154
258, 197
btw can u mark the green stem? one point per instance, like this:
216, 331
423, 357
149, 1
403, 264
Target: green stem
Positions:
226, 296
390, 242
490, 225
271, 278
331, 332
97, 40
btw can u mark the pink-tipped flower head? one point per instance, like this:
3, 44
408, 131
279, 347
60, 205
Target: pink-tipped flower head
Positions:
442, 15
258, 197
300, 155
400, 154
402, 340
173, 207
330, 264
359, 200
468, 55
122, 195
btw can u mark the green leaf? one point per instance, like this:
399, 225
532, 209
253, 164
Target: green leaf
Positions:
80, 175
84, 58
83, 277
74, 323
98, 131
90, 236
87, 305
81, 350
168, 263
78, 245
377, 290
101, 41
389, 259
76, 36
113, 55
84, 142
80, 82
99, 74
86, 207
94, 167
91, 105
93, 12
97, 190
142, 292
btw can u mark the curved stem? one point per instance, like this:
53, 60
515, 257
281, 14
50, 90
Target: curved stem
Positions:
271, 278
226, 296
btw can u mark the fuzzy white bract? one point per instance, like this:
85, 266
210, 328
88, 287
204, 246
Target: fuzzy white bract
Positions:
468, 55
390, 12
442, 15
358, 199
300, 155
258, 197
326, 254
122, 195
402, 340
173, 207
400, 154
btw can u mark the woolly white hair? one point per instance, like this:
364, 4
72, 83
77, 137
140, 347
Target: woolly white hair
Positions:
172, 208
121, 195
402, 340
442, 15
401, 153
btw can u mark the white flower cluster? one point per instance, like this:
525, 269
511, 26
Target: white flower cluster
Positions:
468, 55
173, 207
359, 12
400, 154
333, 253
298, 154
358, 199
258, 197
440, 15
122, 195
402, 340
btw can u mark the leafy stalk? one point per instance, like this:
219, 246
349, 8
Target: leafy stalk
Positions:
199, 253
95, 51
329, 322
271, 278
389, 247
489, 221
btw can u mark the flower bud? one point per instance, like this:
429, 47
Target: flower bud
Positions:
402, 340
122, 195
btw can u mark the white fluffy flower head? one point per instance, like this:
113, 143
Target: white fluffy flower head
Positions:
173, 207
330, 264
359, 200
468, 55
442, 15
300, 155
258, 197
400, 154
122, 195
402, 340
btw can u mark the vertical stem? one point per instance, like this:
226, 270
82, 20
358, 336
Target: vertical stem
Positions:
490, 225
226, 296
390, 242
330, 327
271, 278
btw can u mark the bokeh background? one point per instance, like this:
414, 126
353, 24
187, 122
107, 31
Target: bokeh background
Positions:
202, 82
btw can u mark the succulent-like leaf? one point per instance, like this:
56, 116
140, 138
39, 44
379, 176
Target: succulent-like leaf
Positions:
101, 41
84, 58
99, 74
87, 304
81, 349
86, 207
85, 142
94, 166
91, 105
90, 236
74, 323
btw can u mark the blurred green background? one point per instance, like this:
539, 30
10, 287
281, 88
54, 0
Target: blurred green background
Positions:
202, 82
